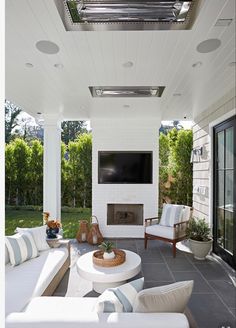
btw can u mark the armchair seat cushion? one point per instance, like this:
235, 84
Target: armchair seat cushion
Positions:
160, 231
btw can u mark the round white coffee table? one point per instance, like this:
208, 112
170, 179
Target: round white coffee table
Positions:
103, 277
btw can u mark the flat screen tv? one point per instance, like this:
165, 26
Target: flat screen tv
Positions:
124, 167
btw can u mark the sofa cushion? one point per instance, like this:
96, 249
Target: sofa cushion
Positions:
21, 247
39, 235
119, 299
171, 214
31, 278
161, 231
169, 298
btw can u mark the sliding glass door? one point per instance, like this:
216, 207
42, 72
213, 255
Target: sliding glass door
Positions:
224, 223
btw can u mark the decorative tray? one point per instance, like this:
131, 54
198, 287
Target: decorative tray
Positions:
117, 260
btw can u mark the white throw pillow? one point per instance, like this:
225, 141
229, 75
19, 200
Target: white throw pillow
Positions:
119, 299
21, 247
169, 298
171, 214
39, 235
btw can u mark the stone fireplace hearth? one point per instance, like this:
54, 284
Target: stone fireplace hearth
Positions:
124, 214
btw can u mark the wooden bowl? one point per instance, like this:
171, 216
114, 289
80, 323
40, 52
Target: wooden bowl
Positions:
117, 260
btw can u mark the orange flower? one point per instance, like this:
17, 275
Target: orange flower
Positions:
53, 224
50, 223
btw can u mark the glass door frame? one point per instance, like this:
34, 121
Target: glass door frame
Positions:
219, 250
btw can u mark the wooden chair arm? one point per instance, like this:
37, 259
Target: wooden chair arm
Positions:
150, 219
178, 224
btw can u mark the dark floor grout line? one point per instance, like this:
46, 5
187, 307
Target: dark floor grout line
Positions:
183, 271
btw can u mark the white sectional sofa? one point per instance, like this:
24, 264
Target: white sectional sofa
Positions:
39, 276
77, 312
35, 277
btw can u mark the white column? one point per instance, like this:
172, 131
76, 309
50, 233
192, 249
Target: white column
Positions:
52, 167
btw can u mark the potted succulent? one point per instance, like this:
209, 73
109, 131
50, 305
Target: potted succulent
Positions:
107, 248
200, 241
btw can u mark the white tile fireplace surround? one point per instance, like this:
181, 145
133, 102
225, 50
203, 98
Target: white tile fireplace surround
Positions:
134, 135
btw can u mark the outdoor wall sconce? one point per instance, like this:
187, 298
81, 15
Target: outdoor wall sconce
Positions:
196, 154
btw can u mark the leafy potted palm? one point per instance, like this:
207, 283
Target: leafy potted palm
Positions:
107, 248
198, 233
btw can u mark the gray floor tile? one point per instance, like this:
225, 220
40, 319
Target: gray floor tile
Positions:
200, 284
208, 259
233, 311
179, 264
210, 312
156, 272
226, 290
212, 271
152, 244
167, 251
126, 244
151, 256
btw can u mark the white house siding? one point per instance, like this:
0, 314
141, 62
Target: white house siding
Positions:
202, 190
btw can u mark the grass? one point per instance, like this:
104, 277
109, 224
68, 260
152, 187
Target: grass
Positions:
27, 218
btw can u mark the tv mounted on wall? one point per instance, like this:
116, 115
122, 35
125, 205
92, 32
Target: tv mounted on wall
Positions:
125, 167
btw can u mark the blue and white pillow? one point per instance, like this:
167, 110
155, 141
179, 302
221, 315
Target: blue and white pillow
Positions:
171, 214
39, 235
119, 299
21, 247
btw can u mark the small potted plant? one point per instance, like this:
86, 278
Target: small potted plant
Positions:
107, 248
53, 226
200, 241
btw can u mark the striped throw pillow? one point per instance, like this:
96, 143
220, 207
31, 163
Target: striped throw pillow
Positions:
119, 299
39, 235
171, 214
21, 247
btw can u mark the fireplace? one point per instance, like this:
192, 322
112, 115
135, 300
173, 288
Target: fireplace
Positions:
125, 214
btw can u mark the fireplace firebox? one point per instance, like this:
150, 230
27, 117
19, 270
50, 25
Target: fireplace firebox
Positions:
125, 214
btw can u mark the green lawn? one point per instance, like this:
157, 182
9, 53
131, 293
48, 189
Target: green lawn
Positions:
33, 218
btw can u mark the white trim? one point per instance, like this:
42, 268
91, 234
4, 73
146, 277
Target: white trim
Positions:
211, 126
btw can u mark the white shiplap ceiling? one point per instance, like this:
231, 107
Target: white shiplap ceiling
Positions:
97, 58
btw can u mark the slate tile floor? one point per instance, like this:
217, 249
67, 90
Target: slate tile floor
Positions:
213, 301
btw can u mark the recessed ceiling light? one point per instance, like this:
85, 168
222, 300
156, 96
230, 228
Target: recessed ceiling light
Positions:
223, 22
47, 47
29, 65
208, 46
197, 64
232, 64
177, 94
59, 66
128, 64
126, 106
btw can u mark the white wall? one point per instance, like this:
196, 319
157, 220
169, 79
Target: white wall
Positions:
124, 135
202, 137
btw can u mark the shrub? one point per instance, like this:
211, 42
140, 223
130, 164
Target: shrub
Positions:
198, 230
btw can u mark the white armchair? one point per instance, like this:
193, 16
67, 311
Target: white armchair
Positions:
171, 227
